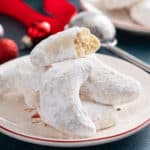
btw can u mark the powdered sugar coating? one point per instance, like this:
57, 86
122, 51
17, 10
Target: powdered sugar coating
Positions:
56, 48
60, 104
21, 77
107, 86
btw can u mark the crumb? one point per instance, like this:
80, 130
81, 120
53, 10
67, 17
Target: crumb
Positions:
118, 109
29, 109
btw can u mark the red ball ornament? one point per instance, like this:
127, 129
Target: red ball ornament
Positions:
39, 30
8, 50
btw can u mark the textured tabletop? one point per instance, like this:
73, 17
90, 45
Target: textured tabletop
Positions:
137, 45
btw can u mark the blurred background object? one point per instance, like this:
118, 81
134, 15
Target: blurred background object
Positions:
8, 50
136, 44
57, 15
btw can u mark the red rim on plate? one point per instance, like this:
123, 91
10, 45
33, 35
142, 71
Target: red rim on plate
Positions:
121, 135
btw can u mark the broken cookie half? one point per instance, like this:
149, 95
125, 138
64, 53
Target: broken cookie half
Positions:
69, 44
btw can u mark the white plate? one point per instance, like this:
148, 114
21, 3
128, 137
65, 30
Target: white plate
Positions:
120, 18
17, 122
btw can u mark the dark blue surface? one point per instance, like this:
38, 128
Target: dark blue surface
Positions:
136, 44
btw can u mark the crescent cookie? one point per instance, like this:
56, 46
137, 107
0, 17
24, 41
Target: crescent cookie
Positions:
107, 86
60, 104
69, 44
140, 12
118, 4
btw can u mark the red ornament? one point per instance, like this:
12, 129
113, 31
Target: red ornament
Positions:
39, 30
37, 23
8, 50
